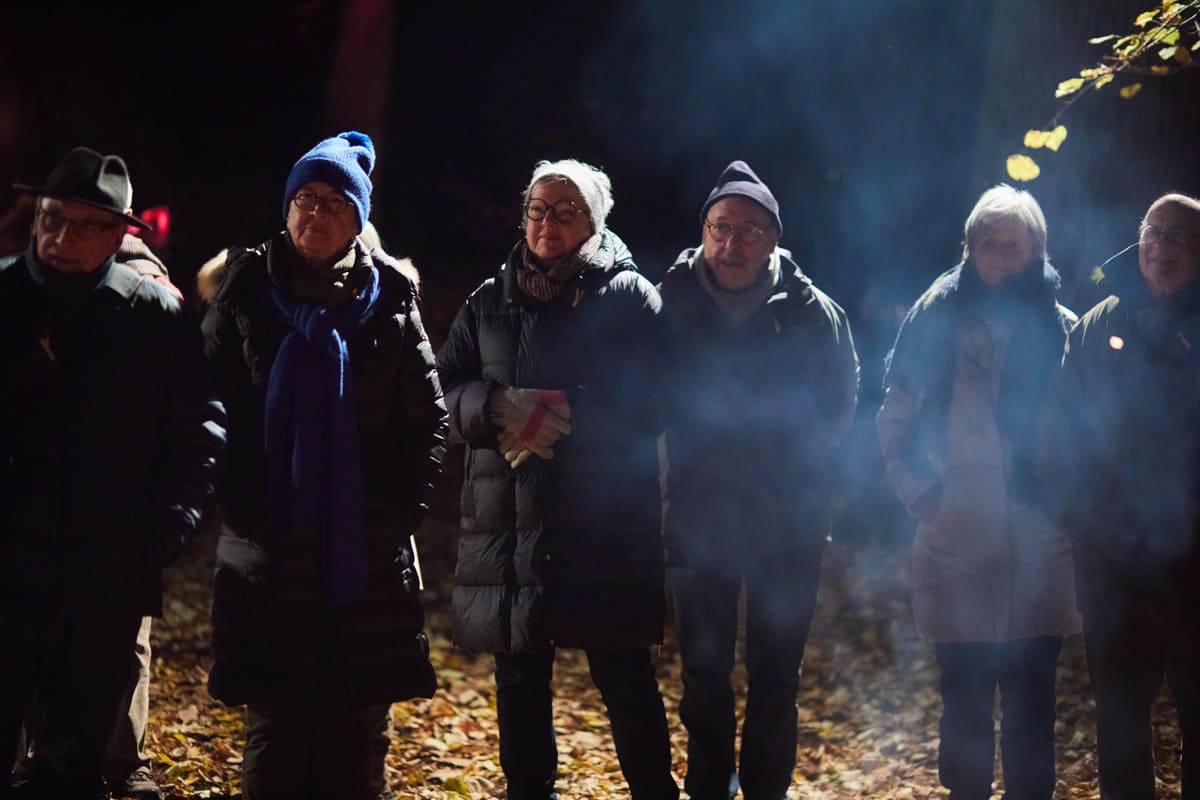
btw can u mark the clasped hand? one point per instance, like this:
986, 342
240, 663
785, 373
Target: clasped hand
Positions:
530, 421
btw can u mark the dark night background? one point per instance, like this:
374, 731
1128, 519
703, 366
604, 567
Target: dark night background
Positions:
876, 123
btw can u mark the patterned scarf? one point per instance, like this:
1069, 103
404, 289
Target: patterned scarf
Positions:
546, 282
314, 471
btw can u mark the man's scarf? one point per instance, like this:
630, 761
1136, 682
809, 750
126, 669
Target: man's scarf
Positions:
314, 473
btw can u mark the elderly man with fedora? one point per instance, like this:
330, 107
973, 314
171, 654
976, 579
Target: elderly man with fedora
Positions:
763, 383
109, 438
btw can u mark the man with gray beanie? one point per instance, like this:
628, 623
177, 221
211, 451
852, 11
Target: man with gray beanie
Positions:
336, 437
762, 384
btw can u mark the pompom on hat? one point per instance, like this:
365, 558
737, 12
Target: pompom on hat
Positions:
344, 162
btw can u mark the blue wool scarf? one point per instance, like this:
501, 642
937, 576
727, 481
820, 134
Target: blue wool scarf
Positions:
314, 473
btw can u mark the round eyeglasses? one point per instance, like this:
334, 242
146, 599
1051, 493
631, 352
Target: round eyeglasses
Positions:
722, 231
563, 211
1171, 237
53, 222
332, 203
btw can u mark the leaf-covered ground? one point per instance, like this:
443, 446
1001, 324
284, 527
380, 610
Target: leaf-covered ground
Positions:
868, 705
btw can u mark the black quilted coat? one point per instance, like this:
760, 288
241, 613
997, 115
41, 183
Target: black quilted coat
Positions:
565, 552
275, 638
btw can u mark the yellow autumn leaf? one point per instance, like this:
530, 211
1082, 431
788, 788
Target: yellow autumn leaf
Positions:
1183, 56
1022, 168
1056, 137
1196, 46
1102, 39
1130, 90
1143, 19
1167, 53
1170, 36
1069, 86
1097, 274
1173, 9
1160, 69
1036, 139
1103, 80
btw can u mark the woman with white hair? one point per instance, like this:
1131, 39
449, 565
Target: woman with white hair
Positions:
548, 372
993, 582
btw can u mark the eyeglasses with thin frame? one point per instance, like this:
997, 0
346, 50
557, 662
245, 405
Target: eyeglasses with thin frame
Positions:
747, 234
332, 203
564, 211
1171, 237
54, 222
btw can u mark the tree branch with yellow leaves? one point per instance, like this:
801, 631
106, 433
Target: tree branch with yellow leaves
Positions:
1165, 40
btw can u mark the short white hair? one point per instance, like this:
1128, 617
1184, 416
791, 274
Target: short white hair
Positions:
1001, 203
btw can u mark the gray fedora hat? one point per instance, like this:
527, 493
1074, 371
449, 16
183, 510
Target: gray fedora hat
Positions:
85, 176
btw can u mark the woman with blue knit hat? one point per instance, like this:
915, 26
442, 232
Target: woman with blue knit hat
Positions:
549, 369
336, 437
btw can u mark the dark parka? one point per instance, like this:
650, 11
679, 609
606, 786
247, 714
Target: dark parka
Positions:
567, 551
275, 637
1127, 457
753, 414
109, 443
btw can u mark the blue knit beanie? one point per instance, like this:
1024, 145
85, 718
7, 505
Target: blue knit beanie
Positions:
738, 179
344, 162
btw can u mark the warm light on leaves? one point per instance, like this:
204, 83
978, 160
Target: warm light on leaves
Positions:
1056, 137
1102, 39
1103, 80
1167, 53
1130, 90
1051, 139
1168, 36
1144, 18
1069, 86
1022, 168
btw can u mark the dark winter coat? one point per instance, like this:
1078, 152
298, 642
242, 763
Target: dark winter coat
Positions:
564, 552
275, 637
753, 414
965, 388
1129, 458
109, 439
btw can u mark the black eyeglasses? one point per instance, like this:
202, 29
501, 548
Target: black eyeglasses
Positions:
1171, 237
332, 203
53, 222
721, 231
563, 211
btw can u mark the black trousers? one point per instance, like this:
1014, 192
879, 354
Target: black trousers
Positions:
314, 751
77, 663
970, 672
1134, 640
629, 688
781, 595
